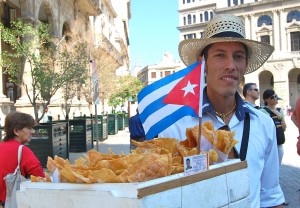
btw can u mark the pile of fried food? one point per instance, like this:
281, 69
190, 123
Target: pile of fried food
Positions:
151, 159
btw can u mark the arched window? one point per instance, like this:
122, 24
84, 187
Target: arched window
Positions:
189, 19
183, 1
235, 2
206, 16
242, 1
293, 15
264, 19
201, 17
211, 15
184, 20
194, 19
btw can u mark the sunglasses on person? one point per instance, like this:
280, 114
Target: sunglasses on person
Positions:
255, 89
273, 96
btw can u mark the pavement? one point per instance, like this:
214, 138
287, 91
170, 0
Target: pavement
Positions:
289, 171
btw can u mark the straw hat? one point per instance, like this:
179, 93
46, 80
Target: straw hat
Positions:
225, 28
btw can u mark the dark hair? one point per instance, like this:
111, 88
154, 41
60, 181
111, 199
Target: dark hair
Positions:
268, 93
247, 87
16, 120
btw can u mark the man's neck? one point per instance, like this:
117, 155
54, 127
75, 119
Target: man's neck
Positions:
250, 100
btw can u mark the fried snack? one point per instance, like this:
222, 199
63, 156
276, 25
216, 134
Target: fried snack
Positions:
104, 175
40, 179
207, 130
154, 166
192, 136
213, 156
224, 140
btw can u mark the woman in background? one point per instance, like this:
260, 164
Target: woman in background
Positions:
19, 129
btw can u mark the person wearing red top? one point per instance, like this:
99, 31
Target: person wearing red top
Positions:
18, 128
296, 119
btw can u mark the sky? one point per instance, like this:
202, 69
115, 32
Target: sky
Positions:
153, 31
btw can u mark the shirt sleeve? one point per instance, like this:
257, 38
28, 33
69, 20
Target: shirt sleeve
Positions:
271, 193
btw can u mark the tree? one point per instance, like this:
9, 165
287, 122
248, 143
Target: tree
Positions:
127, 87
35, 52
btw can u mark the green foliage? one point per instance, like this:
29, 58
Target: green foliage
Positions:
127, 87
49, 66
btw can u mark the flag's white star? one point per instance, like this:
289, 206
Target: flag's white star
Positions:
189, 88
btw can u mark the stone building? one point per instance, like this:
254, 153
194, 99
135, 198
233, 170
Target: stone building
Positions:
276, 22
167, 66
104, 23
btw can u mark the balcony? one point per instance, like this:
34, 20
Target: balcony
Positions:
90, 6
104, 45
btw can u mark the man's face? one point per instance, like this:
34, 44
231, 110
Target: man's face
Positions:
254, 92
225, 66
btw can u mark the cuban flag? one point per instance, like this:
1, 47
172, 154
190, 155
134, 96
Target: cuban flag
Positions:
167, 100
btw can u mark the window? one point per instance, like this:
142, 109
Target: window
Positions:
264, 19
211, 15
206, 16
235, 2
229, 3
190, 36
153, 75
188, 1
184, 20
167, 73
183, 1
293, 15
194, 19
265, 39
242, 1
202, 34
295, 41
201, 17
161, 74
189, 19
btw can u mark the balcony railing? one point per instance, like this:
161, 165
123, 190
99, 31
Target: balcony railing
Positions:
105, 44
92, 7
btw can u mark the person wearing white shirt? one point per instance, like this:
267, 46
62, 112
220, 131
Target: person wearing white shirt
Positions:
229, 56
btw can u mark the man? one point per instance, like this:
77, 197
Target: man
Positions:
296, 119
251, 94
228, 57
136, 129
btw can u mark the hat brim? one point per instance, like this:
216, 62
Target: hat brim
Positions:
258, 52
278, 98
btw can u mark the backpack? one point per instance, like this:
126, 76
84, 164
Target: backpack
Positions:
279, 130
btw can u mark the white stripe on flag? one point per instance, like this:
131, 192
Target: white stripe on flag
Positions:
159, 115
153, 95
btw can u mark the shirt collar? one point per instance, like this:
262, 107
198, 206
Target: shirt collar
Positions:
241, 107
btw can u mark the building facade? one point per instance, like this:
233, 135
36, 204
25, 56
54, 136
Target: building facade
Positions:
103, 23
167, 66
276, 22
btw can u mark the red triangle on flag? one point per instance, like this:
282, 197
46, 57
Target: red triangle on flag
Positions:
187, 90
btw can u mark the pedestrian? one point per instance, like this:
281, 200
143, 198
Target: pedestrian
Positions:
47, 115
18, 128
251, 94
136, 130
277, 114
228, 56
296, 119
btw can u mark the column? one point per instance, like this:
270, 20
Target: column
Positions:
253, 26
283, 34
276, 32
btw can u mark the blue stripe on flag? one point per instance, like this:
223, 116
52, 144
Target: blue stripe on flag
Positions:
165, 122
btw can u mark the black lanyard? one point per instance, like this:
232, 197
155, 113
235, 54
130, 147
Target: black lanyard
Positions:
245, 139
